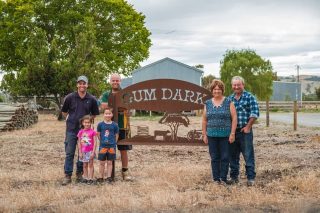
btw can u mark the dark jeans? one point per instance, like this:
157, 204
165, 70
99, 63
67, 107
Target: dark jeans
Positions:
219, 153
70, 149
243, 144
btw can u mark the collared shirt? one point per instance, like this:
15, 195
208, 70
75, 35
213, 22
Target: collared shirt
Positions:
247, 107
77, 107
122, 120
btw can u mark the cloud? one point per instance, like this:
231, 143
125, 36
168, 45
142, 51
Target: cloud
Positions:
199, 32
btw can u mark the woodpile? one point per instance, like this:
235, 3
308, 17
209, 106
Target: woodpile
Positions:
19, 116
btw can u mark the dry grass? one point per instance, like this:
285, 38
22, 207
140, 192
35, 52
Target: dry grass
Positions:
167, 179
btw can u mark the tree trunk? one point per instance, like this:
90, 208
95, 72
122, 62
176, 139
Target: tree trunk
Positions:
58, 101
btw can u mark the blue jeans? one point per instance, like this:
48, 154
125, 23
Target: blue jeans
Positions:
244, 144
219, 153
70, 149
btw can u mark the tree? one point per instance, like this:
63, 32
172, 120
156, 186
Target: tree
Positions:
308, 88
174, 121
317, 90
275, 76
207, 80
45, 45
256, 71
199, 66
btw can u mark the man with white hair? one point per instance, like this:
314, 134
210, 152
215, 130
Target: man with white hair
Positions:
106, 99
247, 112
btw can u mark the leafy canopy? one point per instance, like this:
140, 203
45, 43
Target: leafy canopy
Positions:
317, 91
256, 72
207, 80
45, 45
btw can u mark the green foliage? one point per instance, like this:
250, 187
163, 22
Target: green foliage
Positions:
256, 71
287, 98
199, 66
317, 91
309, 97
275, 76
1, 99
207, 80
45, 45
308, 88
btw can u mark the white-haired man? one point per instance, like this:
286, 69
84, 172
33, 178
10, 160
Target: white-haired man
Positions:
247, 112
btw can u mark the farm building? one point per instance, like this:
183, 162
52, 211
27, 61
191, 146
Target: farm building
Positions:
166, 68
171, 69
286, 91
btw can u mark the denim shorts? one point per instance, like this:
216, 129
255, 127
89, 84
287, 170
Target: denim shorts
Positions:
107, 154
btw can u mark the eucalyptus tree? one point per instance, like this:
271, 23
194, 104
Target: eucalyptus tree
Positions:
46, 44
256, 71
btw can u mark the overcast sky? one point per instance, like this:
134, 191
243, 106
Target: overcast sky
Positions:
286, 32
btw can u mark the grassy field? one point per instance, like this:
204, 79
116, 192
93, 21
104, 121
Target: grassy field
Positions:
166, 178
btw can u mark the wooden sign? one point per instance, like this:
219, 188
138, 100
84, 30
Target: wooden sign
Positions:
171, 97
163, 95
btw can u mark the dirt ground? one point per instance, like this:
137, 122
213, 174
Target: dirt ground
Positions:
166, 178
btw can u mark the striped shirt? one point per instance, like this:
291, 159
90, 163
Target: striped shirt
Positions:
247, 107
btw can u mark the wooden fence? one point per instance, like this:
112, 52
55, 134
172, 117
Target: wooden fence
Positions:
292, 106
288, 105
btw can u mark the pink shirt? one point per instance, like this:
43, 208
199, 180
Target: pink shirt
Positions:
86, 137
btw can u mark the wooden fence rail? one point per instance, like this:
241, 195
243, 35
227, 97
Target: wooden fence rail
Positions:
288, 105
292, 106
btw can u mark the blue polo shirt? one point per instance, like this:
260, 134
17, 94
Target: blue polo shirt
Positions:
77, 107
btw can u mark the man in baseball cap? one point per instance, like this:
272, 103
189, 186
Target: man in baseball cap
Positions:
82, 78
76, 105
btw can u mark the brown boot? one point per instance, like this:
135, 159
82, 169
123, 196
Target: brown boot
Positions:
79, 178
66, 180
126, 176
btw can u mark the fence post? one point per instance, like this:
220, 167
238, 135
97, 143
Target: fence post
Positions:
267, 113
295, 111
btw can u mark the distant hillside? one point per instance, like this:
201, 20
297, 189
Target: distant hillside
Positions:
308, 82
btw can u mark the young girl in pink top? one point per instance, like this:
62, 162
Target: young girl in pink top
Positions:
87, 148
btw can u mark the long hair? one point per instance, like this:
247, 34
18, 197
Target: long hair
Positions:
86, 117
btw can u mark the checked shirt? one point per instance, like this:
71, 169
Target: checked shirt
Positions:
246, 106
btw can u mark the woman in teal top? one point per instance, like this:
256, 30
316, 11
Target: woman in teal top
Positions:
219, 123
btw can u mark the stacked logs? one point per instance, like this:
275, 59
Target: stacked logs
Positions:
16, 117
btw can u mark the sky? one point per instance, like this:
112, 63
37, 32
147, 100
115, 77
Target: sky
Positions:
286, 32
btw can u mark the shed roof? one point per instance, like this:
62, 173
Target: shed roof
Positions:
167, 59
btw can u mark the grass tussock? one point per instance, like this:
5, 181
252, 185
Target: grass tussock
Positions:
167, 178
